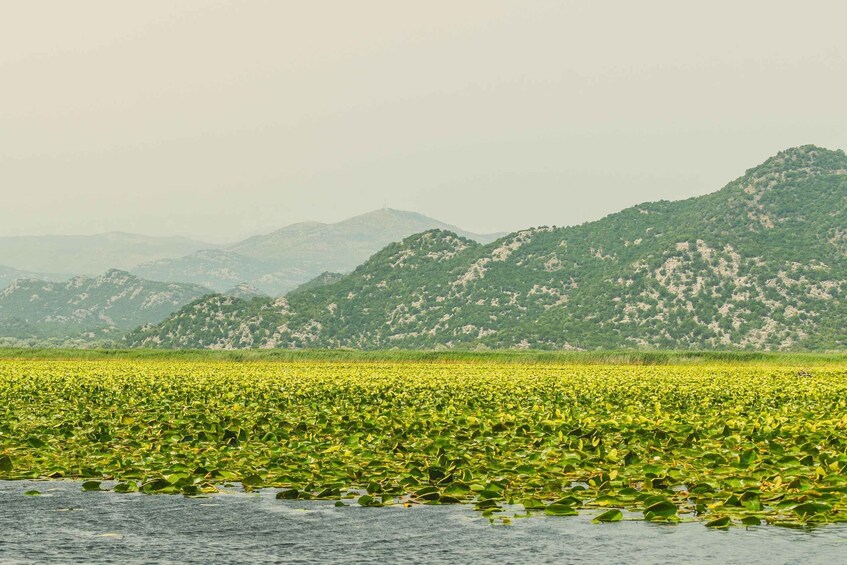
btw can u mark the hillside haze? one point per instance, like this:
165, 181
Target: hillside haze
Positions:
89, 254
9, 275
282, 260
760, 264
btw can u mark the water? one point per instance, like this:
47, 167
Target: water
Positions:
68, 525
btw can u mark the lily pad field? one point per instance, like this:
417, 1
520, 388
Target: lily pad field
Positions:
722, 444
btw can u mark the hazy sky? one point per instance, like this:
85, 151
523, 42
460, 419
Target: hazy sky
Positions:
218, 119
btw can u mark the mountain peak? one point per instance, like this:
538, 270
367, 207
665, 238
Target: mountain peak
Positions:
430, 246
115, 273
115, 276
809, 150
803, 159
244, 290
381, 215
437, 237
390, 212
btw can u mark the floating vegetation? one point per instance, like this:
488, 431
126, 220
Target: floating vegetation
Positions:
727, 446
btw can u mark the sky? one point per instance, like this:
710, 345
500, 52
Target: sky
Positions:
222, 119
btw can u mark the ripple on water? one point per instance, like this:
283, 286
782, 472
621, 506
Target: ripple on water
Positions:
102, 527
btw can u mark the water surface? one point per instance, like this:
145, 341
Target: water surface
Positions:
65, 525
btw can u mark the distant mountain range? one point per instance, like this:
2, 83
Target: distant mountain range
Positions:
9, 275
71, 310
282, 260
90, 254
759, 264
88, 308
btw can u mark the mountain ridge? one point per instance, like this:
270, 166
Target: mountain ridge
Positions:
758, 264
290, 256
88, 308
8, 275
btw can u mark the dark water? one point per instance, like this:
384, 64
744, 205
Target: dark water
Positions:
66, 525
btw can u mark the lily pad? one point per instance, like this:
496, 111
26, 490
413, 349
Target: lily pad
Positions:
722, 522
560, 510
613, 515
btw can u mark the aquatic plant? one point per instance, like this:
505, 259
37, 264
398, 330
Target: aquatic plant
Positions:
719, 443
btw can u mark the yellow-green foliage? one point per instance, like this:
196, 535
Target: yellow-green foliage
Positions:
717, 442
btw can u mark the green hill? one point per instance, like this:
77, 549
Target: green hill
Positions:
759, 264
88, 308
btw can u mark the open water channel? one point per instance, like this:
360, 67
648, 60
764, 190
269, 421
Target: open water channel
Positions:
66, 525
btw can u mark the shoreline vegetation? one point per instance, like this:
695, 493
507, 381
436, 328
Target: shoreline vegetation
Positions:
532, 357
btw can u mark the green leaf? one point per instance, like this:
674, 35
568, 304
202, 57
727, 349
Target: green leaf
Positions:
809, 509
91, 485
290, 494
486, 504
369, 501
613, 515
252, 480
487, 493
751, 521
751, 501
5, 464
156, 485
560, 510
654, 470
568, 501
427, 493
606, 500
328, 492
32, 493
533, 504
126, 487
190, 490
661, 509
746, 459
722, 522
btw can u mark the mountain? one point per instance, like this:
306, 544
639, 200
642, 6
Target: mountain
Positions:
346, 243
760, 264
90, 307
90, 254
217, 269
244, 290
323, 279
9, 275
282, 260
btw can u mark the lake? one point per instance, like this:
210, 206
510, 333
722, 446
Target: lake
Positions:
65, 524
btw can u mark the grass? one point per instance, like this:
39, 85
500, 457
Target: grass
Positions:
621, 357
